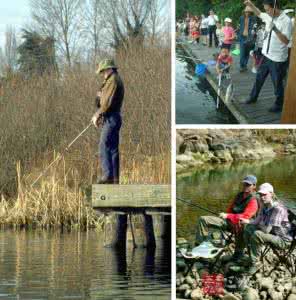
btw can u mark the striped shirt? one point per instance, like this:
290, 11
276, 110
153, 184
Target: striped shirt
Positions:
277, 217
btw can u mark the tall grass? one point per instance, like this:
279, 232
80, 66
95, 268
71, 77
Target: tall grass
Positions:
40, 116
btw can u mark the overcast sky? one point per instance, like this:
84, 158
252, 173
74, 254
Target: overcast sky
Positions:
15, 13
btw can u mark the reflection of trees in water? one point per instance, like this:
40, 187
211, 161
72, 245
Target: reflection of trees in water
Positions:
216, 186
54, 264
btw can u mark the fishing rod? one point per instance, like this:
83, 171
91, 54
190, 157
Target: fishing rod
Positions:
62, 154
197, 206
270, 33
193, 59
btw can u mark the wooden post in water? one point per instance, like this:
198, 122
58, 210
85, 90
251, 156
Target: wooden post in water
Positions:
289, 110
115, 230
120, 200
149, 231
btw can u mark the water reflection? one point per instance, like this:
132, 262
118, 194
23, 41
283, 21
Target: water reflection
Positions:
215, 186
52, 265
195, 99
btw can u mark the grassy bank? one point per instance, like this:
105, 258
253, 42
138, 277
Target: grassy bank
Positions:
40, 116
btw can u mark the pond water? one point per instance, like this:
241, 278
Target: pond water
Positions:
53, 265
195, 99
216, 186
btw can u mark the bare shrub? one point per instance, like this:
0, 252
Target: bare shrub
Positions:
42, 115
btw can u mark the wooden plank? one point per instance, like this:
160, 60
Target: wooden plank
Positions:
157, 212
109, 195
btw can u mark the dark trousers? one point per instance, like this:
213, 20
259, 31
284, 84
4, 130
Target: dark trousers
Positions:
212, 32
227, 46
278, 71
109, 146
244, 53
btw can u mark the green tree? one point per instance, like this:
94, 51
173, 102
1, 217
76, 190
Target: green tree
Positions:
223, 8
36, 54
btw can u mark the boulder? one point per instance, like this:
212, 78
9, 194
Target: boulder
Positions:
250, 294
180, 168
187, 294
230, 296
288, 287
217, 147
197, 294
292, 297
183, 287
223, 155
189, 280
276, 295
184, 158
266, 283
263, 295
180, 147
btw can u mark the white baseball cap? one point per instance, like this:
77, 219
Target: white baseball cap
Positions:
288, 10
265, 188
228, 20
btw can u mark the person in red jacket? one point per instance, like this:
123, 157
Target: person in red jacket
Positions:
244, 206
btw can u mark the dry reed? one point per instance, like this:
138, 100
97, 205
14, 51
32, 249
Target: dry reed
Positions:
41, 115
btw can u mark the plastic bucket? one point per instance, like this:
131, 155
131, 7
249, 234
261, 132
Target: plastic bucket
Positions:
200, 69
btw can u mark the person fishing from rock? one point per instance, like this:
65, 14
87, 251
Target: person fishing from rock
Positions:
244, 206
271, 226
275, 51
109, 102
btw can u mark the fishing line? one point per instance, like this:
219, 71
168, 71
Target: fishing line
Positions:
189, 203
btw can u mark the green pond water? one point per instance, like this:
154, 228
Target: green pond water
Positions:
53, 265
215, 187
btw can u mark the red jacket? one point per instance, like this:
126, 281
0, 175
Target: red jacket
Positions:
248, 213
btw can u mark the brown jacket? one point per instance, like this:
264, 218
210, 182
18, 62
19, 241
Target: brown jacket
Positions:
112, 94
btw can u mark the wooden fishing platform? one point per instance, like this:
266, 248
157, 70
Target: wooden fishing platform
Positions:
255, 113
121, 201
136, 198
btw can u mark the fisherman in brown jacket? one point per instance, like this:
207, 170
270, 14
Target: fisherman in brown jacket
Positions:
109, 102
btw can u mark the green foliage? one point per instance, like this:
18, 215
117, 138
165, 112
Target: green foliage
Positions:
223, 8
36, 54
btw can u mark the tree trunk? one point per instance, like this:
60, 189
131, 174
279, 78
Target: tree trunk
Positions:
289, 111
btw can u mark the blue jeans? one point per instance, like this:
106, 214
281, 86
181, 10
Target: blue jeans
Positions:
278, 71
109, 146
244, 53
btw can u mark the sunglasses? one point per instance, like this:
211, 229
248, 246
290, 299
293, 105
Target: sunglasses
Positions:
262, 194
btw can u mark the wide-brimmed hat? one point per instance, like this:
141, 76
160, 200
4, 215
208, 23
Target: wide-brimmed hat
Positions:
106, 64
228, 20
248, 9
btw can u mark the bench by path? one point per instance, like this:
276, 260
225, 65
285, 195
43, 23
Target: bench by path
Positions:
256, 113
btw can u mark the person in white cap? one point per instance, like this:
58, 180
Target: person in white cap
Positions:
243, 206
271, 226
229, 34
